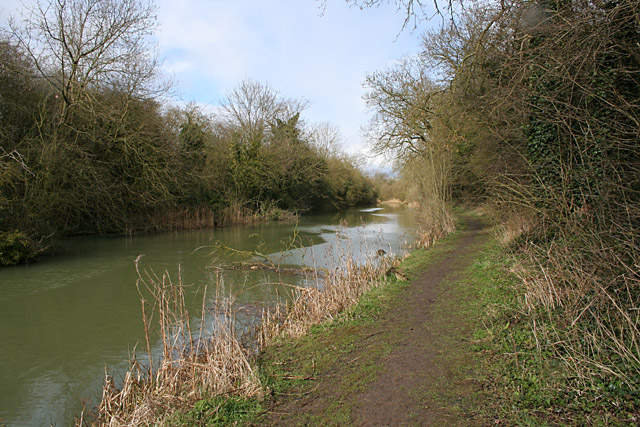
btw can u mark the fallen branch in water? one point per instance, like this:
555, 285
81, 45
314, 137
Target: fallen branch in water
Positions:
261, 266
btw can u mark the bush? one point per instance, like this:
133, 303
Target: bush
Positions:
16, 248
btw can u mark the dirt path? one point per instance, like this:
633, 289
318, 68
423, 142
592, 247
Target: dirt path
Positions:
400, 395
410, 367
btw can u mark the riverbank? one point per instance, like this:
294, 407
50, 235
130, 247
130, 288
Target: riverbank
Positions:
401, 357
398, 356
451, 346
334, 245
443, 340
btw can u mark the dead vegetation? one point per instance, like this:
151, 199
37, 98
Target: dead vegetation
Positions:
205, 357
200, 358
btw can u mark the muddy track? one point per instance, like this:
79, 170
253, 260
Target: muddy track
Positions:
398, 395
421, 380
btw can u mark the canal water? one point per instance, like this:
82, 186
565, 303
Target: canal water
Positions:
67, 318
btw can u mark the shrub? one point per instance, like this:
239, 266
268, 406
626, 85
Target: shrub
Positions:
16, 248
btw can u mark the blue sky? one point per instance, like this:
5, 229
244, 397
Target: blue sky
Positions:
297, 47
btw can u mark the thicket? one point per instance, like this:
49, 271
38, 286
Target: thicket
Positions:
532, 108
90, 144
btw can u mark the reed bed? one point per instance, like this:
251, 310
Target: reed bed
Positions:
205, 357
186, 218
200, 358
338, 290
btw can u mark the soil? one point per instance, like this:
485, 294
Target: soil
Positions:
412, 366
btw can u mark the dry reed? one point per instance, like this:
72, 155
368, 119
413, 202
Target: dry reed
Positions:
191, 218
194, 365
208, 359
583, 303
335, 292
186, 218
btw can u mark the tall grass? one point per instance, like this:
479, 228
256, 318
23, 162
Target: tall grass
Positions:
582, 300
592, 295
205, 357
200, 358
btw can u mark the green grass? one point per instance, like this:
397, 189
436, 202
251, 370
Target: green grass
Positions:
218, 411
524, 383
489, 342
291, 367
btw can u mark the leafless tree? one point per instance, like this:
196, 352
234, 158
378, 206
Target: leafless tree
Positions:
326, 139
78, 45
414, 10
400, 100
252, 107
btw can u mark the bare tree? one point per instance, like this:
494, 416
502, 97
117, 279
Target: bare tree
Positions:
252, 107
408, 124
400, 99
326, 139
91, 44
414, 10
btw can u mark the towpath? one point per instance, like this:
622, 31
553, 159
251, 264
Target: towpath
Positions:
412, 365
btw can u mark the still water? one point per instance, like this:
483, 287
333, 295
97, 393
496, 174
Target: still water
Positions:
66, 318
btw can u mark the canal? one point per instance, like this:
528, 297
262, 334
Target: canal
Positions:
66, 318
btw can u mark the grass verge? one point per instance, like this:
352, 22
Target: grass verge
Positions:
336, 360
525, 382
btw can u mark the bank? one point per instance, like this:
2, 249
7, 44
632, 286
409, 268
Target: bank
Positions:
481, 365
443, 340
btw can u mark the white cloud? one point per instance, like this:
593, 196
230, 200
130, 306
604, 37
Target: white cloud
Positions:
209, 46
212, 45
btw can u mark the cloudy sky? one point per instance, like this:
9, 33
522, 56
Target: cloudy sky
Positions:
297, 47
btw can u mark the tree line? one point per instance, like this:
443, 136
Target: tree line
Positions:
531, 109
89, 142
